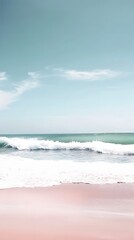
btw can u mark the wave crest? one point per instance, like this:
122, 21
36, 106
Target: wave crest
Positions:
39, 144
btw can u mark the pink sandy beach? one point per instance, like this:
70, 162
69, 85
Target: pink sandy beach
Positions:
69, 212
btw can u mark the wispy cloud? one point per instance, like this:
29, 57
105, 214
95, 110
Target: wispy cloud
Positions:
3, 76
35, 75
8, 97
93, 75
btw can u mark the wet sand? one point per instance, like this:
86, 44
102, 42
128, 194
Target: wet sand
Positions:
69, 212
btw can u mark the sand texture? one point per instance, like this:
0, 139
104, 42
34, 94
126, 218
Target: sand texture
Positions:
69, 212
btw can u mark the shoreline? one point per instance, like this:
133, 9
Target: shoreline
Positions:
68, 211
66, 184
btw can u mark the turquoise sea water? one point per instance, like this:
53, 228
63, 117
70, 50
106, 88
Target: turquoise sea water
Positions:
49, 159
120, 138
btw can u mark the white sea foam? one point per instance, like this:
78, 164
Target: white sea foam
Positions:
18, 171
37, 144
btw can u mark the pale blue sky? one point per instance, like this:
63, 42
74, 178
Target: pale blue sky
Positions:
66, 66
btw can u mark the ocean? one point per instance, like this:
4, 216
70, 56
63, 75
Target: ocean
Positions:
49, 159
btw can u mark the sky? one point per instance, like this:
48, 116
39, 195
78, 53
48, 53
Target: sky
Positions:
66, 66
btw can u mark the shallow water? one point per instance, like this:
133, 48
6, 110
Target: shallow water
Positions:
44, 160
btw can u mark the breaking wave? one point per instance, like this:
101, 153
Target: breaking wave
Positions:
40, 144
